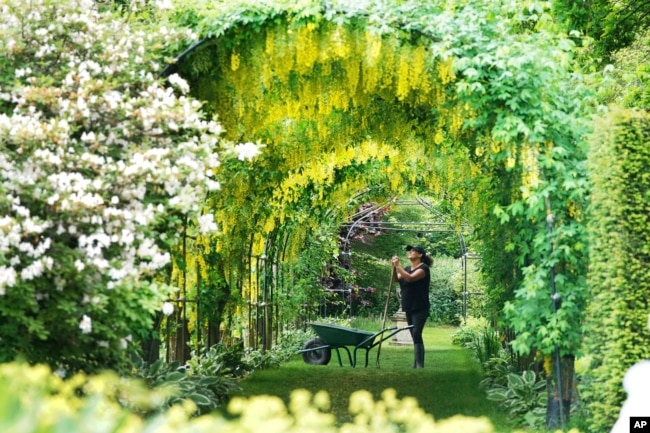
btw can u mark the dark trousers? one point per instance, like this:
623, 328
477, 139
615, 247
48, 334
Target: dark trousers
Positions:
417, 319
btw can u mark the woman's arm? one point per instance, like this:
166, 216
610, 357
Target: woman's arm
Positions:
416, 275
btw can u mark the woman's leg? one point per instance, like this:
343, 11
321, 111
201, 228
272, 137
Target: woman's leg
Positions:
418, 319
409, 321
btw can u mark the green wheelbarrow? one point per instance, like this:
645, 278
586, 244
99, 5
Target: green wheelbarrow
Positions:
318, 350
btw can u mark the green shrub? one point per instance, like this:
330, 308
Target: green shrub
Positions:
205, 382
290, 341
445, 307
523, 396
234, 360
495, 372
480, 338
209, 377
466, 331
445, 293
619, 276
91, 203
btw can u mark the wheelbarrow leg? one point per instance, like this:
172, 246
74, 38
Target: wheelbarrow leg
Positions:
355, 355
338, 355
349, 355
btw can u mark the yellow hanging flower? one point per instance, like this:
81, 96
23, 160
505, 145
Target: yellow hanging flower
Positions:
438, 138
234, 61
307, 48
403, 83
340, 43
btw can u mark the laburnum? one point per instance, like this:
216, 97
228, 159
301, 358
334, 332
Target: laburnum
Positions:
101, 162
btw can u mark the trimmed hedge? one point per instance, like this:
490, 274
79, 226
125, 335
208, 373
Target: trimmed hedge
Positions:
619, 274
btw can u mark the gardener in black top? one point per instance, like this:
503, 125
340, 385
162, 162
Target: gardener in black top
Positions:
414, 283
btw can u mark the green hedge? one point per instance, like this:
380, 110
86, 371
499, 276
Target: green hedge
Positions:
619, 274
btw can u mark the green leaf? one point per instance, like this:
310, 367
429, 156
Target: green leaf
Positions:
471, 73
528, 376
515, 381
209, 380
175, 376
496, 394
200, 399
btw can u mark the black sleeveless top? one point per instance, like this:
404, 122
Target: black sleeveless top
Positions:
415, 294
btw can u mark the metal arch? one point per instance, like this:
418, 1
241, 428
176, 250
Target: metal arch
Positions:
465, 255
364, 214
369, 212
461, 238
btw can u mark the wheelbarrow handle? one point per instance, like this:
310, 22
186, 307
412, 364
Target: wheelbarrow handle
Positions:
373, 336
394, 330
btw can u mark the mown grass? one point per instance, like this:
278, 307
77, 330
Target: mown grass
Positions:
447, 386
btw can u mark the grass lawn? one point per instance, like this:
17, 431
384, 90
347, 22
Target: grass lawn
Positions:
447, 386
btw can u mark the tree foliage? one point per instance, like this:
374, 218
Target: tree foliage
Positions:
626, 81
613, 25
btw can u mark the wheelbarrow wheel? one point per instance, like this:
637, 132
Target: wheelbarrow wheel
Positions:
316, 357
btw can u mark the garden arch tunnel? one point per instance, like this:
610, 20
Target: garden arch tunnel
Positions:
365, 220
472, 104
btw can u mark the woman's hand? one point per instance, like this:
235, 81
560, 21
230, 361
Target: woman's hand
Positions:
395, 274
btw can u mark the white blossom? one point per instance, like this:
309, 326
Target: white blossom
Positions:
86, 325
178, 82
90, 164
88, 137
124, 342
34, 270
167, 308
247, 151
206, 223
213, 185
7, 278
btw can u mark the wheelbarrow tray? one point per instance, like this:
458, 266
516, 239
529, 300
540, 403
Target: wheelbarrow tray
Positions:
334, 335
318, 350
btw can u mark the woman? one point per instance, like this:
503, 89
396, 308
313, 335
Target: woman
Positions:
414, 283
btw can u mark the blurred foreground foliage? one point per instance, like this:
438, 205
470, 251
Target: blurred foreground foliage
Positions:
37, 401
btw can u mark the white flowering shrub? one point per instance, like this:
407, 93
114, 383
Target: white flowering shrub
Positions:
101, 162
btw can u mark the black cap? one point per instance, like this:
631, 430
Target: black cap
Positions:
418, 249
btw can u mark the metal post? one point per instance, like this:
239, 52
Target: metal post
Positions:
555, 298
465, 287
199, 282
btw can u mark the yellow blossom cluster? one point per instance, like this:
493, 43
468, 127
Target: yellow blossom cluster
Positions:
307, 71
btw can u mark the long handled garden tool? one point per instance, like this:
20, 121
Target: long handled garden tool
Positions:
383, 320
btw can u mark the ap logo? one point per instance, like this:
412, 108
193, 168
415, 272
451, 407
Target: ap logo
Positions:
639, 424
